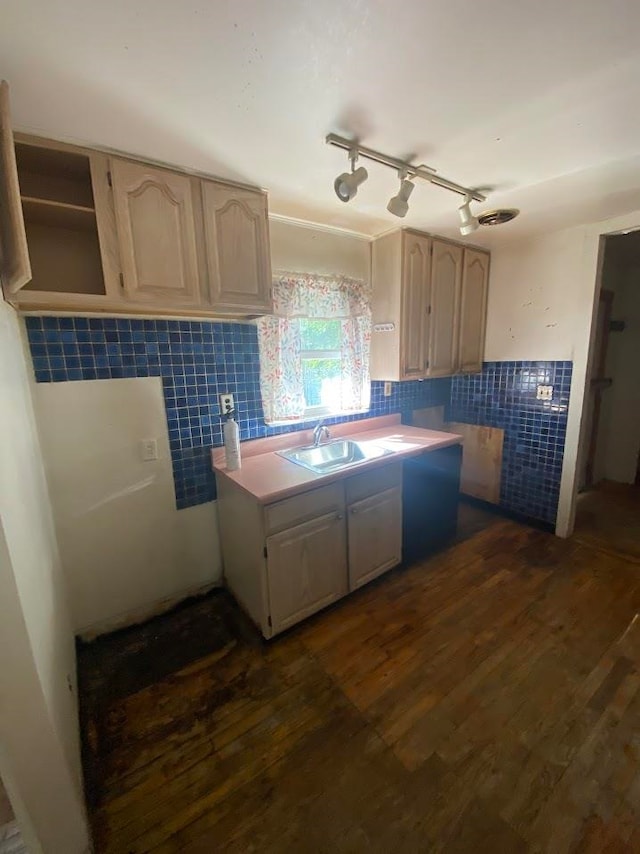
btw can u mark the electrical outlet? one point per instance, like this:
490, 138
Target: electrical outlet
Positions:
387, 389
149, 450
545, 392
226, 403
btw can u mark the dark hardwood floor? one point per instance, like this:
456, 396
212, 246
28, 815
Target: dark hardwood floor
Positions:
608, 518
485, 701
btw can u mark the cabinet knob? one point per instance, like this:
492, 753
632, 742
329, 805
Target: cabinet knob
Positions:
339, 516
353, 511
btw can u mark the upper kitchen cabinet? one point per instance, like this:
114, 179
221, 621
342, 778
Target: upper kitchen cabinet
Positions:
473, 310
156, 234
446, 276
428, 307
401, 279
70, 241
236, 237
15, 268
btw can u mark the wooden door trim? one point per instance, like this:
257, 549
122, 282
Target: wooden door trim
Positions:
605, 304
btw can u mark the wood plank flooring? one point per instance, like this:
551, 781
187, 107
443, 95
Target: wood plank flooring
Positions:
608, 517
485, 701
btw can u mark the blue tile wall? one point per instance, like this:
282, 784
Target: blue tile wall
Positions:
504, 395
197, 362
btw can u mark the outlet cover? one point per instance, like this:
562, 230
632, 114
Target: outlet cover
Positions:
545, 392
226, 403
387, 389
149, 450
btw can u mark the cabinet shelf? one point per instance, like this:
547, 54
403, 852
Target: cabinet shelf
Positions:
58, 214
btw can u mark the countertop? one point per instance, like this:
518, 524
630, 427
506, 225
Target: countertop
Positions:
269, 477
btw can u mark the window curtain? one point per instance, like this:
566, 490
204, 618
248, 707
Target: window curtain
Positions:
300, 295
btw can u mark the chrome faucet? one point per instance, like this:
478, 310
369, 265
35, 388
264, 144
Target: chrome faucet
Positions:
319, 431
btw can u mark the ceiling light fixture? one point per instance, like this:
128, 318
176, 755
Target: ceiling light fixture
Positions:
399, 205
346, 185
468, 222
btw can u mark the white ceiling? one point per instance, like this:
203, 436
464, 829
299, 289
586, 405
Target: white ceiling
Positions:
537, 100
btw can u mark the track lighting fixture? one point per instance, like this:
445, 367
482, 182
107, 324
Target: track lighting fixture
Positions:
346, 185
468, 222
399, 205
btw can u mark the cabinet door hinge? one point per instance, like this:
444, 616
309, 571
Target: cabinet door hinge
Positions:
264, 552
109, 179
429, 310
269, 621
121, 277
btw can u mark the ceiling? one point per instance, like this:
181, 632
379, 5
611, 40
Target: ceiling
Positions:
537, 101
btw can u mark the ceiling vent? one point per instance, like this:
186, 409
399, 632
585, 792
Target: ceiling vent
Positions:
498, 217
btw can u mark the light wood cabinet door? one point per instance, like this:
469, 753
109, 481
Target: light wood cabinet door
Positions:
236, 236
415, 305
446, 276
156, 233
306, 569
15, 268
473, 310
375, 536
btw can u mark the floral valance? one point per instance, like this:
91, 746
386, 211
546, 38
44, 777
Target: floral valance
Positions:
309, 295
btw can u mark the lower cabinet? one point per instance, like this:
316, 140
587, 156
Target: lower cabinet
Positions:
306, 569
375, 536
286, 560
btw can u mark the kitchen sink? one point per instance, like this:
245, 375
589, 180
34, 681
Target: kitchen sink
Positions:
333, 456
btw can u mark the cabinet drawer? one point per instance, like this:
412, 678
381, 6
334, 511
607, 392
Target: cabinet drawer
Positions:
301, 507
371, 482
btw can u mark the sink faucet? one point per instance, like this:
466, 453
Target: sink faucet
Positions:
319, 431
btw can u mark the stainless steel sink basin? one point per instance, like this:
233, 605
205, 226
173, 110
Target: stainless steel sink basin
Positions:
333, 456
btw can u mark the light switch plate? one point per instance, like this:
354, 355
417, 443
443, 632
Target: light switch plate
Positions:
387, 389
545, 392
149, 450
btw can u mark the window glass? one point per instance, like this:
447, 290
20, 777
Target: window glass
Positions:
321, 362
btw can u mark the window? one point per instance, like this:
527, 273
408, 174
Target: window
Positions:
314, 348
321, 358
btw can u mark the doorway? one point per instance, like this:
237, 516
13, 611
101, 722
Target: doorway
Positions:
608, 505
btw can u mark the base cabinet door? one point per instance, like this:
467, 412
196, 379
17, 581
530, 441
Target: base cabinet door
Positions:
306, 569
375, 536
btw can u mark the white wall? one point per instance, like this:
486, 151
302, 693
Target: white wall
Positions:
541, 306
126, 551
39, 744
619, 429
537, 305
302, 248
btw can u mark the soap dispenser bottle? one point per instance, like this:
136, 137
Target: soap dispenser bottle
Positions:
231, 434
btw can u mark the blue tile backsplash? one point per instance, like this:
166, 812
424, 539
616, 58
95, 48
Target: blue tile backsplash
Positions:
197, 362
504, 395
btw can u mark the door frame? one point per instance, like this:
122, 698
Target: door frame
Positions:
597, 381
590, 270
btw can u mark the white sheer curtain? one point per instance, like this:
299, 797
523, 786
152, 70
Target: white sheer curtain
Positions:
301, 295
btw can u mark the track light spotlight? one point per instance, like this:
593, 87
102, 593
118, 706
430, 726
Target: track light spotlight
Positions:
468, 222
399, 205
346, 185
